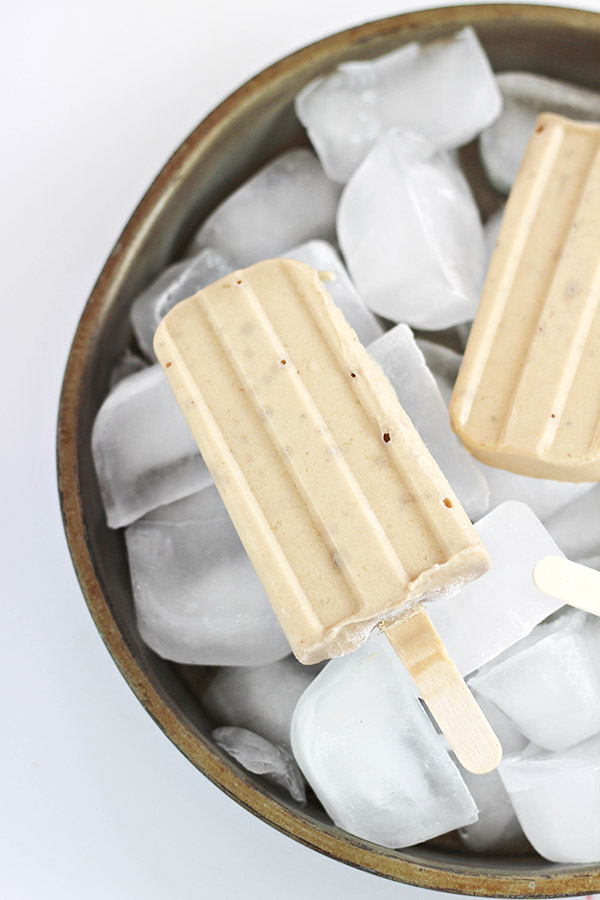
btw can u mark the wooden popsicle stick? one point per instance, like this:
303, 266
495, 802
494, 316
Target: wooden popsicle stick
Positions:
569, 582
443, 689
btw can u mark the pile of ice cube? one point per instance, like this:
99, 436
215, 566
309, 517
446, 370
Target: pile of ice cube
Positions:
385, 191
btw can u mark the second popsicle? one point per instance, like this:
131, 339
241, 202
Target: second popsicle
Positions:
527, 396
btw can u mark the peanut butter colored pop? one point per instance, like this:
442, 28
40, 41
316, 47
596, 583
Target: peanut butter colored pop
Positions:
344, 514
527, 397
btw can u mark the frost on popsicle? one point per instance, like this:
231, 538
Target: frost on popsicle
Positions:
526, 95
197, 598
288, 202
444, 91
411, 235
370, 753
144, 452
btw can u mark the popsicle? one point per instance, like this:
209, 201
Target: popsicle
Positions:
344, 514
569, 582
527, 397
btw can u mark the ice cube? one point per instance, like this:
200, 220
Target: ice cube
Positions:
542, 495
491, 230
260, 698
404, 364
410, 233
144, 452
525, 95
443, 363
128, 364
462, 332
262, 757
550, 687
322, 256
288, 202
179, 281
576, 528
504, 605
197, 597
371, 754
555, 796
497, 829
444, 91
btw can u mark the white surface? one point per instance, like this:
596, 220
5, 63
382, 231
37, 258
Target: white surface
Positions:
96, 802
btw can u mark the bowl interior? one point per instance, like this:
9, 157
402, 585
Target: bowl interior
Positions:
249, 128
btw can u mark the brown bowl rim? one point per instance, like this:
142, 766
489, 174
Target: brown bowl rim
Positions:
395, 865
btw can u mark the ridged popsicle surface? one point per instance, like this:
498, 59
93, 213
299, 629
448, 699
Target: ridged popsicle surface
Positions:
527, 397
344, 513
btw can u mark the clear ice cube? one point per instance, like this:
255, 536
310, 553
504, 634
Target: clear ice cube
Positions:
443, 363
494, 612
542, 495
144, 452
444, 91
404, 364
288, 202
411, 235
261, 757
260, 698
322, 257
372, 756
576, 528
197, 597
491, 230
526, 95
549, 687
557, 797
497, 829
179, 281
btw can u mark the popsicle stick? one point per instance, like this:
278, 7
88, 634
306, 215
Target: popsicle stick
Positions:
443, 689
569, 582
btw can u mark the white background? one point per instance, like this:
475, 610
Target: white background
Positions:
96, 802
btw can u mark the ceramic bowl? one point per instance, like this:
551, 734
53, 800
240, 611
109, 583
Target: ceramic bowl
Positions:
244, 132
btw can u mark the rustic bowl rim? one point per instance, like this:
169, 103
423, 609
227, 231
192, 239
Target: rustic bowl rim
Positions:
395, 865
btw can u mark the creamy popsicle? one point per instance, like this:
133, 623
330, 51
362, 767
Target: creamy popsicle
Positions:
344, 514
527, 397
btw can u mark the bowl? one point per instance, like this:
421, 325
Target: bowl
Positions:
242, 134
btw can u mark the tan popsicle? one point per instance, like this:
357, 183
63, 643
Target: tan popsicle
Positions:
344, 514
527, 396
